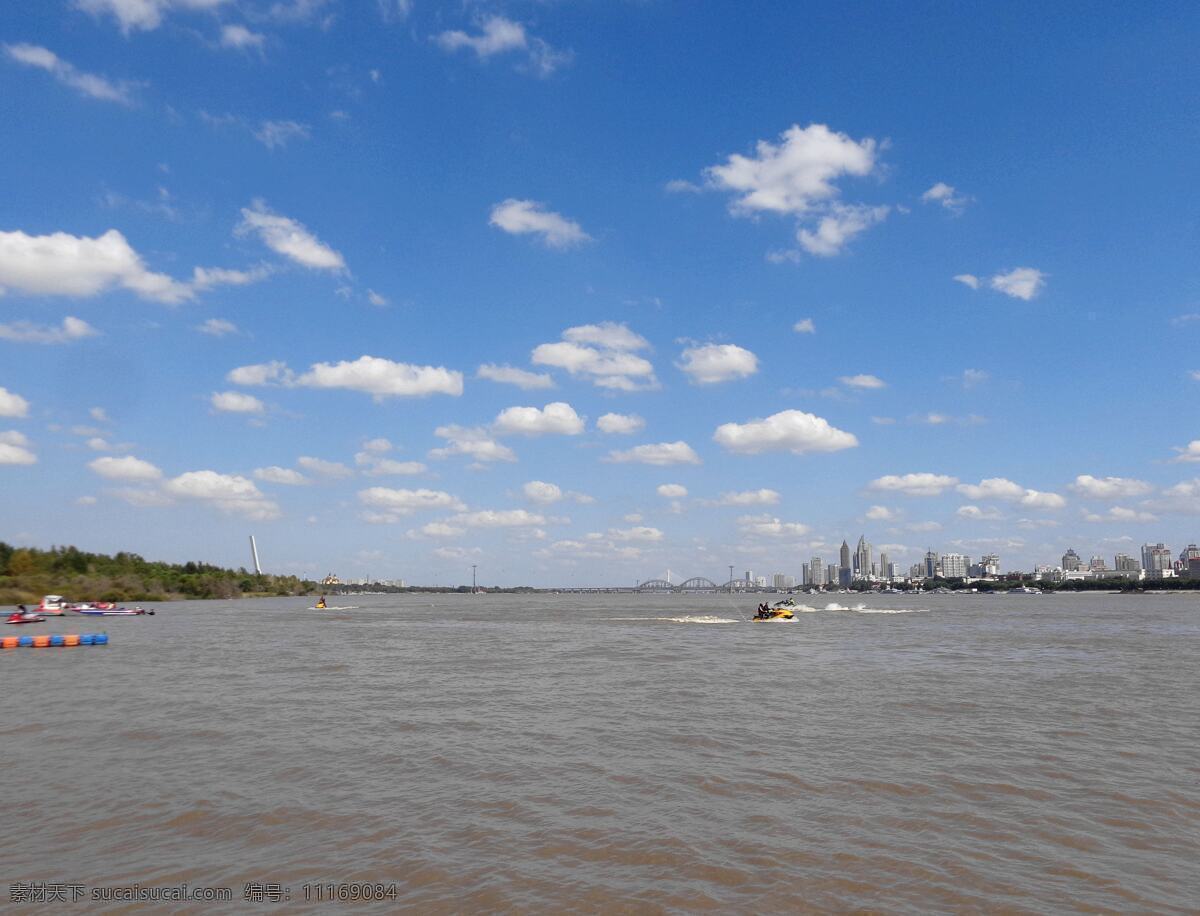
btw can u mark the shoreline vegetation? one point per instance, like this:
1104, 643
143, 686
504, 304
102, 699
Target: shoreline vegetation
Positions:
28, 573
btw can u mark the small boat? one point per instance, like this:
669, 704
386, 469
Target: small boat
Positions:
53, 606
1024, 590
781, 611
25, 617
114, 612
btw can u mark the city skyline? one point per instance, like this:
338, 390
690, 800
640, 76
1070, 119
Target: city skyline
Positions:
572, 292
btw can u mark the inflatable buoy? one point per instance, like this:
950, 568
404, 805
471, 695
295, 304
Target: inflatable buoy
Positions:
41, 641
70, 639
56, 640
25, 641
100, 639
9, 642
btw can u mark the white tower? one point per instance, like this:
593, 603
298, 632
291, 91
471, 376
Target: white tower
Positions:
254, 556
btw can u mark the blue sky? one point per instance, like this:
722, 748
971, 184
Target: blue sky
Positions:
584, 291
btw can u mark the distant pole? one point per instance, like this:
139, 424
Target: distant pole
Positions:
473, 578
254, 554
731, 578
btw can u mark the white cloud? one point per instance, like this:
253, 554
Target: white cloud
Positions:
789, 430
217, 327
289, 238
862, 381
522, 217
240, 38
763, 497
12, 404
270, 373
145, 15
375, 465
602, 353
805, 326
975, 512
474, 442
436, 530
717, 363
227, 492
14, 448
837, 227
796, 175
89, 84
508, 375
662, 454
377, 299
944, 194
276, 135
99, 414
539, 491
493, 518
1109, 487
96, 444
880, 513
770, 527
992, 488
920, 484
671, 491
1120, 514
381, 378
1021, 283
397, 503
681, 186
1036, 499
620, 424
973, 377
61, 264
333, 469
285, 476
968, 280
498, 35
637, 533
924, 526
236, 402
207, 277
1187, 453
128, 469
558, 418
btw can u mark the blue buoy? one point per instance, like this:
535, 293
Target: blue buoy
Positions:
86, 639
25, 641
57, 640
100, 639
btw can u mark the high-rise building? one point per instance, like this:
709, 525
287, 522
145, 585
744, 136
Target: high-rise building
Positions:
862, 559
1189, 553
884, 565
782, 581
1071, 561
931, 564
1097, 564
816, 572
991, 564
1156, 557
955, 565
1125, 563
749, 578
845, 570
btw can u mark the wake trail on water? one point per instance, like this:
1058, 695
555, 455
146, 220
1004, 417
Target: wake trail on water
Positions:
687, 618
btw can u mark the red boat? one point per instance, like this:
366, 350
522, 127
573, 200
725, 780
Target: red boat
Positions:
27, 617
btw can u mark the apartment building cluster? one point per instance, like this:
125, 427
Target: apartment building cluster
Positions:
1157, 562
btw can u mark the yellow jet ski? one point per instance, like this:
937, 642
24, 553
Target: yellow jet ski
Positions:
781, 611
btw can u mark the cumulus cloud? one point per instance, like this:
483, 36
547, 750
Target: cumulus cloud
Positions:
272, 373
714, 363
508, 375
1002, 488
968, 280
89, 84
1120, 514
636, 533
128, 469
381, 378
762, 497
229, 493
236, 402
539, 491
558, 418
1109, 487
241, 38
493, 518
285, 476
661, 454
436, 530
865, 382
14, 448
947, 196
920, 484
374, 463
601, 353
880, 513
1021, 283
289, 238
671, 491
528, 217
144, 15
977, 513
332, 469
770, 527
397, 503
498, 35
217, 327
1036, 499
12, 404
797, 177
60, 264
1186, 453
805, 326
473, 442
620, 424
790, 430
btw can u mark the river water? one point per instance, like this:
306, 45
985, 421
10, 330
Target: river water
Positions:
617, 753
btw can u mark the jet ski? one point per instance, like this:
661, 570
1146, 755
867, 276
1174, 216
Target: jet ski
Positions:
114, 612
25, 617
781, 611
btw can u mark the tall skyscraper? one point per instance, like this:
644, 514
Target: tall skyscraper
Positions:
955, 565
931, 564
1156, 558
816, 572
1071, 561
845, 570
862, 559
1125, 563
884, 565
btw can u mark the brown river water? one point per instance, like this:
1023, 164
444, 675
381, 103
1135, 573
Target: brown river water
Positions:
614, 753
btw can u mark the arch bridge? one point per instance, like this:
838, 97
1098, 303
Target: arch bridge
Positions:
694, 584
